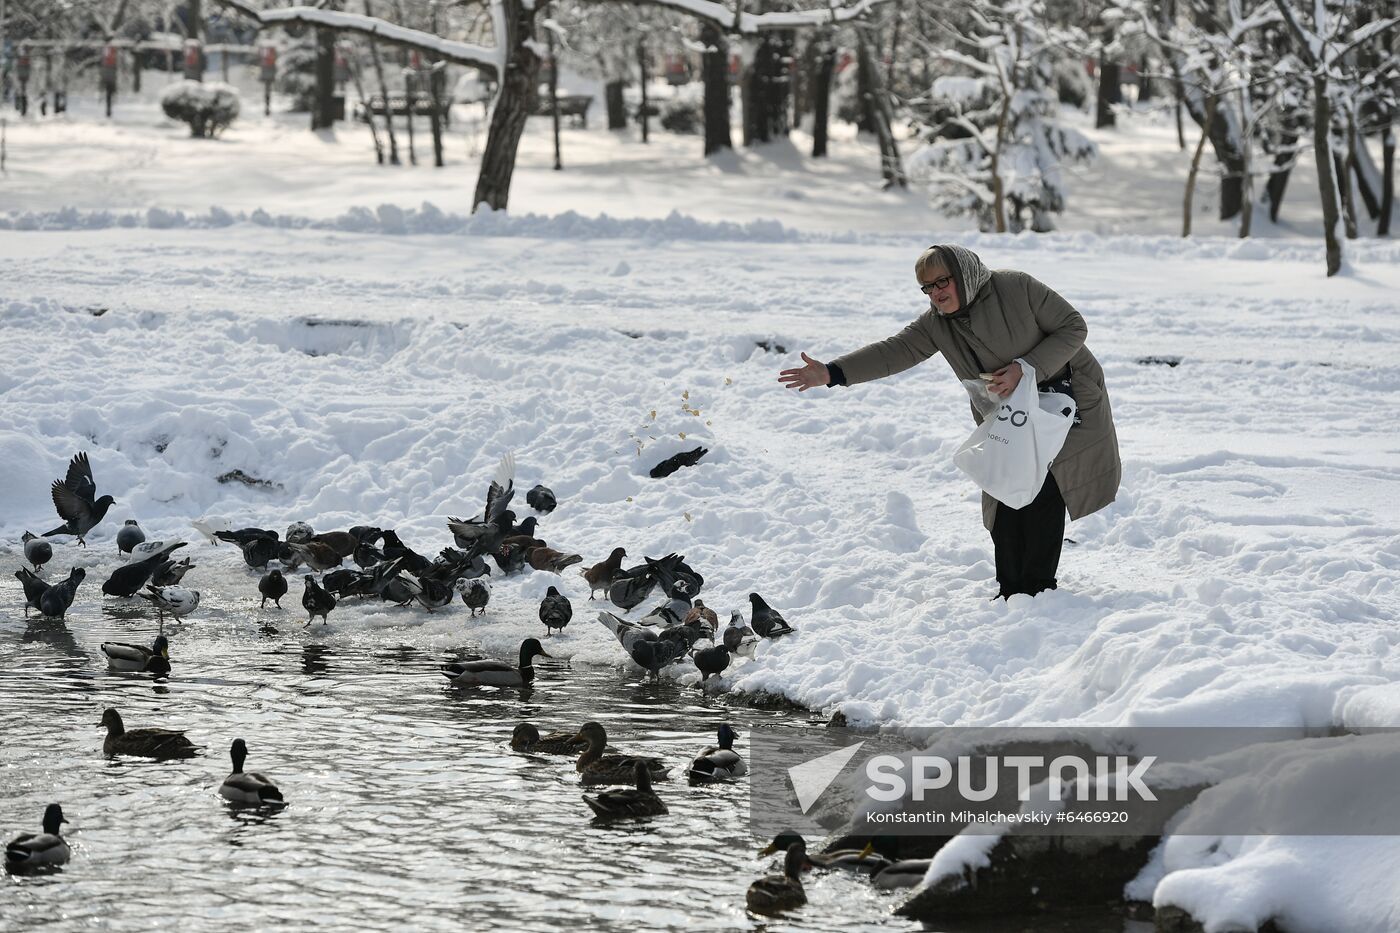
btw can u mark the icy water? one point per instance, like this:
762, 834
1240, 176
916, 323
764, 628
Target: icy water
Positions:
406, 805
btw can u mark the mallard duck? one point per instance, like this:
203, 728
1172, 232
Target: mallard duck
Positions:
595, 767
247, 786
906, 873
526, 738
864, 861
640, 800
773, 894
124, 657
497, 673
39, 850
148, 743
718, 762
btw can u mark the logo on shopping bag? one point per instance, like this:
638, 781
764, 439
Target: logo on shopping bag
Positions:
1015, 413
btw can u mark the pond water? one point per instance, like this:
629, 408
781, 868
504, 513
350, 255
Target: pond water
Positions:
406, 805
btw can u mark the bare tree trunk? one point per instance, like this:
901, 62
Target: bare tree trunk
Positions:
435, 78
894, 43
1283, 167
891, 166
1388, 180
384, 93
410, 93
826, 66
321, 116
714, 64
1327, 186
1343, 169
865, 82
617, 107
554, 97
364, 105
645, 112
1246, 170
1110, 93
513, 104
714, 68
1195, 169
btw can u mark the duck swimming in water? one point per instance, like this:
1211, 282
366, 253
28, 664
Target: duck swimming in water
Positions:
493, 673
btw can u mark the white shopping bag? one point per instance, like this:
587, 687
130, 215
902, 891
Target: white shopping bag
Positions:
1011, 450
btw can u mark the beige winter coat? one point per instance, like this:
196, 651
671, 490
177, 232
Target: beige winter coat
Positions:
1011, 315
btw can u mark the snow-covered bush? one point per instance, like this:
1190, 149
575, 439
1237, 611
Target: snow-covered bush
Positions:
208, 107
683, 116
296, 75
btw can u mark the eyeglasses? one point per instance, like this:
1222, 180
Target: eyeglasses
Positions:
937, 285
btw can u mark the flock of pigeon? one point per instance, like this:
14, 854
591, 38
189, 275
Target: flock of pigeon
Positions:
680, 629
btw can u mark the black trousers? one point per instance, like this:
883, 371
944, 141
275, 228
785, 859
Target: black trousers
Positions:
1028, 542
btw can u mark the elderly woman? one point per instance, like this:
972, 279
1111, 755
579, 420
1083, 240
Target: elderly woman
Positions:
982, 321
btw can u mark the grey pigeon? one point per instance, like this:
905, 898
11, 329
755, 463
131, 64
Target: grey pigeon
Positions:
434, 594
56, 599
259, 545
765, 620
673, 463
317, 555
541, 499
739, 638
300, 532
179, 601
272, 586
643, 645
171, 572
486, 530
600, 575
74, 499
316, 601
128, 580
711, 661
34, 588
37, 550
129, 535
548, 558
555, 611
476, 594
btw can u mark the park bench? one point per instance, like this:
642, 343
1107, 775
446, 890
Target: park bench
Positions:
398, 105
573, 106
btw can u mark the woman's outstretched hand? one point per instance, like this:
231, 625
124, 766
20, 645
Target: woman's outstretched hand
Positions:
808, 377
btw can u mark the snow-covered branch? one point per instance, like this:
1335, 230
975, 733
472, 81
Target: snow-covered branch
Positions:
462, 53
749, 24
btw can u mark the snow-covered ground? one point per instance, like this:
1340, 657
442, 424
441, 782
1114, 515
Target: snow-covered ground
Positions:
1249, 572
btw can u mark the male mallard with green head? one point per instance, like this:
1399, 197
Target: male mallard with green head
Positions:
247, 787
126, 657
495, 673
37, 851
718, 763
